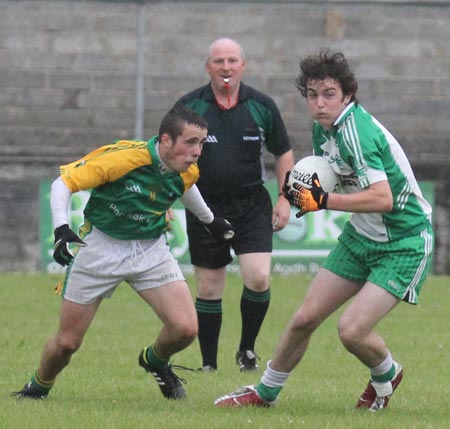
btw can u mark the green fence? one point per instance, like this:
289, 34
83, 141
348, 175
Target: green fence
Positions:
299, 248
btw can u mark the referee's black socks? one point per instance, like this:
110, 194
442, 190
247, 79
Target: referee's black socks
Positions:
209, 313
254, 306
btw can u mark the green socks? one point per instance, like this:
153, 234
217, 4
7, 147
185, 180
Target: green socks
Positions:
266, 393
39, 383
271, 384
384, 378
153, 358
385, 371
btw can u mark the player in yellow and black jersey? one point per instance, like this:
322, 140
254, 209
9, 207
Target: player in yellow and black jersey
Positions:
133, 185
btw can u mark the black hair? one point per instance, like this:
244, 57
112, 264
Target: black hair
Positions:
176, 119
327, 64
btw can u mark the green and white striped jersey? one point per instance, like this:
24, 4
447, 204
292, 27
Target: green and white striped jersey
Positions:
363, 152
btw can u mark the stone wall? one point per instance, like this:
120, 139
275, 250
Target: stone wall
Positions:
70, 72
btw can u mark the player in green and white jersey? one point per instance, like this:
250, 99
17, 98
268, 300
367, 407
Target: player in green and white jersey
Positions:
134, 184
384, 253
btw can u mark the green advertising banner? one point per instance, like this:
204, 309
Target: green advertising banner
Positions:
299, 248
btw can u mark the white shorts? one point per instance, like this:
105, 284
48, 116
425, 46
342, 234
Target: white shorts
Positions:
105, 262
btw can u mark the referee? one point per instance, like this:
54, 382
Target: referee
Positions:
242, 124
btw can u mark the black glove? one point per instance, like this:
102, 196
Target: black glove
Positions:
220, 228
63, 236
307, 200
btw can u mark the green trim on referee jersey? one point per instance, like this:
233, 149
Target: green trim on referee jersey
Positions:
199, 106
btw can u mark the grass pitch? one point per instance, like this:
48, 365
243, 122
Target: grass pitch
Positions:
103, 387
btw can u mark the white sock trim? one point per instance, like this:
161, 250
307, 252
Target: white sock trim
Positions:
272, 378
384, 367
382, 389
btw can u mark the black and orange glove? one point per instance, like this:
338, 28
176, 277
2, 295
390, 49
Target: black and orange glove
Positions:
307, 200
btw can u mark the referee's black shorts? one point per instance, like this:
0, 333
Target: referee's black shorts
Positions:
251, 216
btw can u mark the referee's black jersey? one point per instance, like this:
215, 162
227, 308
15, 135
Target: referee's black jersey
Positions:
231, 162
